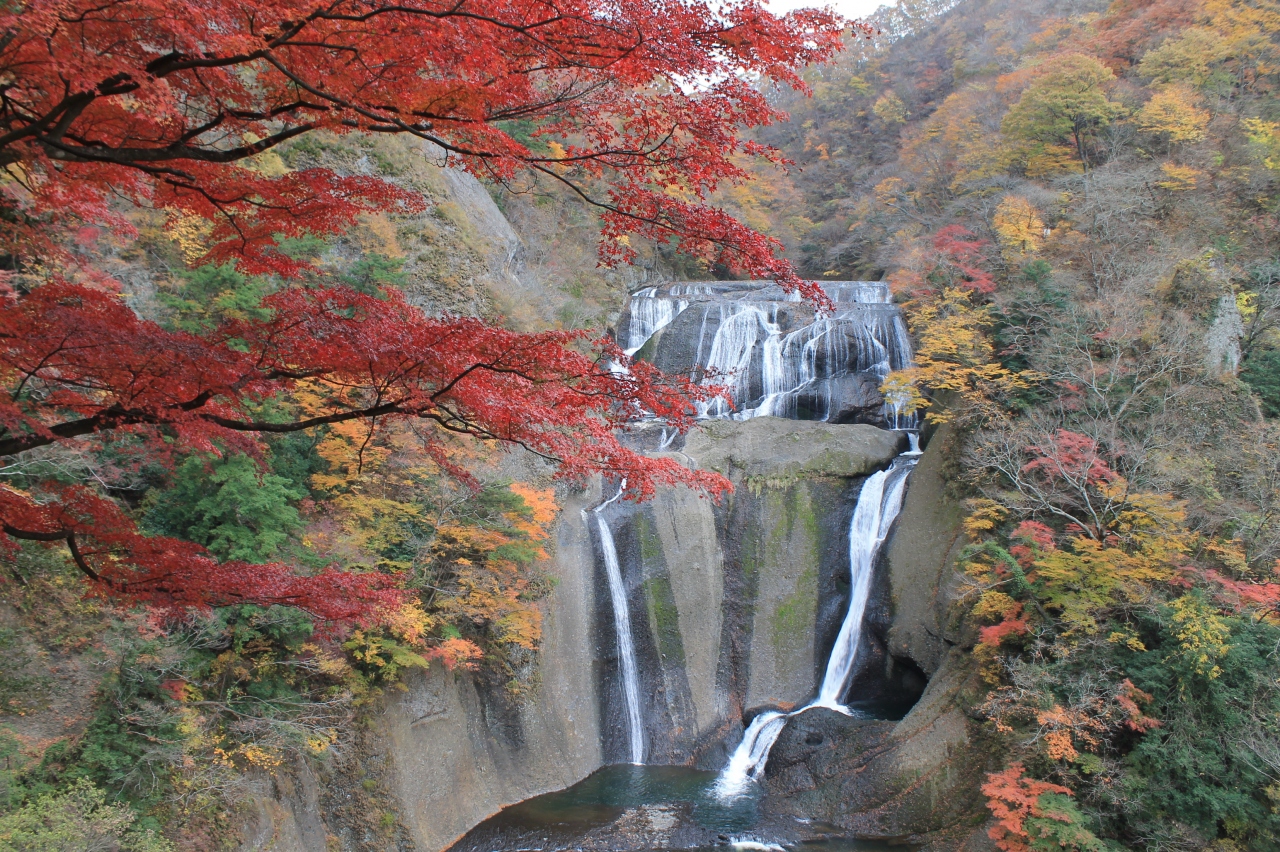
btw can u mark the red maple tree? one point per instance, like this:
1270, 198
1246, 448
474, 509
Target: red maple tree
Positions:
164, 103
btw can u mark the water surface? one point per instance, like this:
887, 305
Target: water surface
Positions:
558, 821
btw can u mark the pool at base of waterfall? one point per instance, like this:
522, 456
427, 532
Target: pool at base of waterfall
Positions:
632, 808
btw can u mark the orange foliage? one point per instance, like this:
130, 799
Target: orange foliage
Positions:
1012, 799
1128, 699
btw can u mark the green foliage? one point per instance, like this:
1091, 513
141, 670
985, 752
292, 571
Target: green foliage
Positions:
77, 819
181, 714
228, 505
307, 247
380, 659
1062, 827
1037, 273
373, 272
210, 295
131, 743
1193, 57
1211, 765
12, 764
1067, 104
1261, 371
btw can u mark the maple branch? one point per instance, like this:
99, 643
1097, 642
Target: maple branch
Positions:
61, 535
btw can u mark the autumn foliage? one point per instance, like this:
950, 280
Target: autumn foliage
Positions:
175, 107
82, 364
167, 103
1033, 814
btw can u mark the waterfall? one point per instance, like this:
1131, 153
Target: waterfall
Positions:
775, 357
748, 759
622, 626
650, 313
879, 503
878, 506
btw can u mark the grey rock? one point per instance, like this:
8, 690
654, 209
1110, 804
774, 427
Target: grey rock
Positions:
790, 449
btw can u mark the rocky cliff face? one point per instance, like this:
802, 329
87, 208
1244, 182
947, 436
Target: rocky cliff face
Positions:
462, 749
734, 607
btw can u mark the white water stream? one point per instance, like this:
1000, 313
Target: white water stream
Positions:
879, 503
622, 626
772, 371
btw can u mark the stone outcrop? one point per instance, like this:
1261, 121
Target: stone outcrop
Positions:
916, 780
919, 557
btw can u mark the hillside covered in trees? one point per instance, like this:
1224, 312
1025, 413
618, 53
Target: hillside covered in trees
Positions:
1077, 204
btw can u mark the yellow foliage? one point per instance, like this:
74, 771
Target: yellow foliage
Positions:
1018, 227
1175, 113
1179, 178
543, 511
984, 517
954, 354
989, 663
1128, 638
1233, 45
268, 163
890, 109
1140, 553
889, 191
1188, 58
1265, 137
1202, 635
1230, 554
953, 147
190, 234
410, 622
376, 234
994, 607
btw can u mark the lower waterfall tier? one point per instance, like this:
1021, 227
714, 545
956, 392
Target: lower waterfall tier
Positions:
734, 607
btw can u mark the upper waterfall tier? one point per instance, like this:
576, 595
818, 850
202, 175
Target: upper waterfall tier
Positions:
774, 353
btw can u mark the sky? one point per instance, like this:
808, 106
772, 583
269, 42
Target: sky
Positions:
848, 8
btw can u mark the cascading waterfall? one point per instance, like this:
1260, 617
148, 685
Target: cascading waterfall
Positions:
777, 359
752, 339
650, 313
622, 625
882, 495
879, 503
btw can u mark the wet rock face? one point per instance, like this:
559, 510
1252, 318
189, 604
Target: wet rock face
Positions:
856, 399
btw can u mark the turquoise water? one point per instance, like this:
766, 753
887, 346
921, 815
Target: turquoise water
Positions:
557, 821
601, 797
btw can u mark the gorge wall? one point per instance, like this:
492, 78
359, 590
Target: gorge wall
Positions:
734, 607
